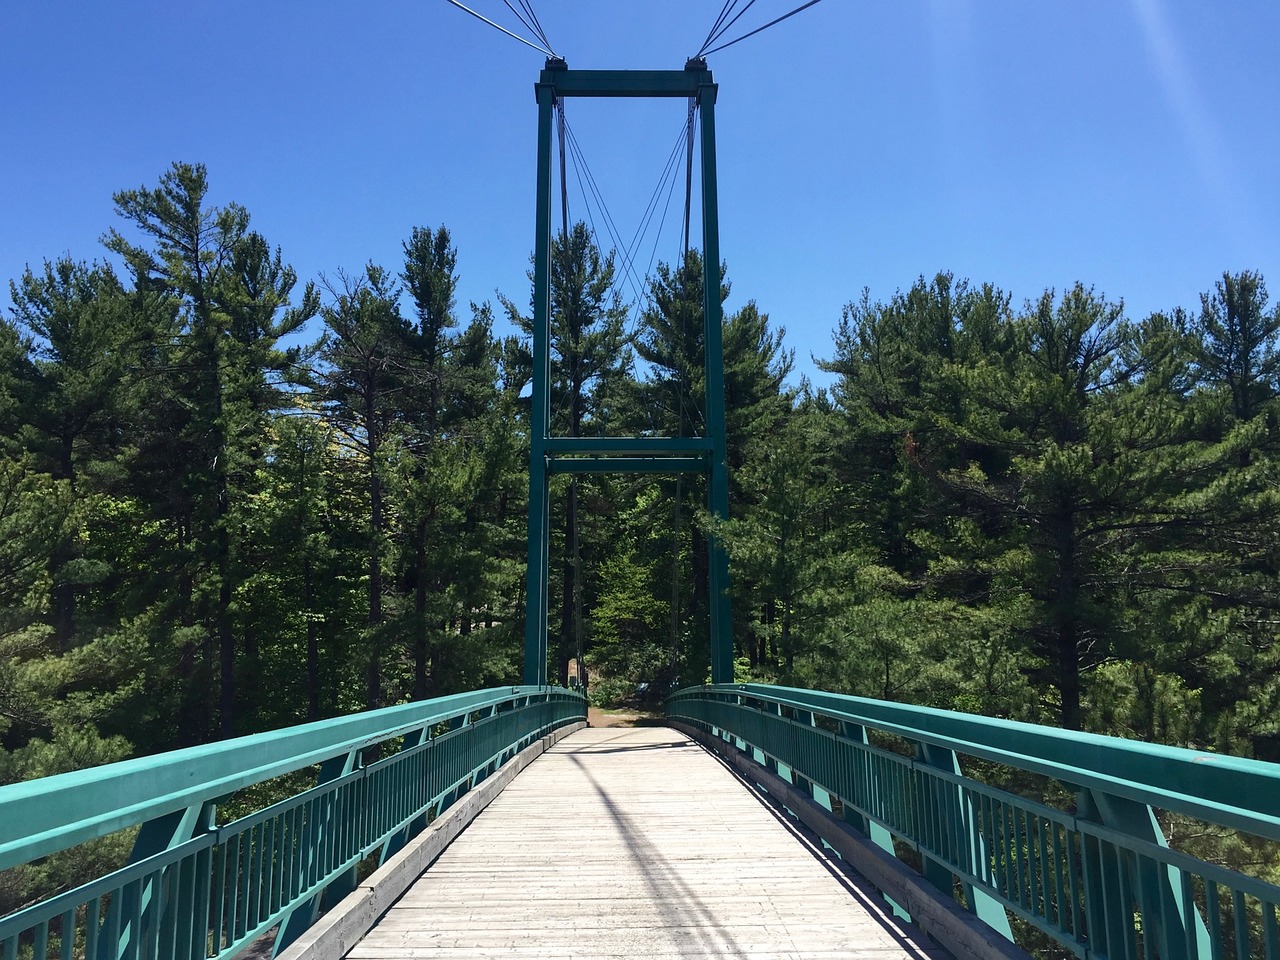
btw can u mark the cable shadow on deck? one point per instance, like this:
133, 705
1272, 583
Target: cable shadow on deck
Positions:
691, 912
713, 937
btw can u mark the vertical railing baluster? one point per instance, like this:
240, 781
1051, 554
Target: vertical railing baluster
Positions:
288, 855
1015, 853
284, 861
1241, 918
338, 827
266, 867
1053, 884
1125, 902
166, 925
67, 935
131, 950
92, 924
202, 909
1035, 855
180, 891
40, 941
1188, 918
1213, 909
217, 913
1097, 895
1077, 880
111, 927
244, 889
312, 840
1007, 851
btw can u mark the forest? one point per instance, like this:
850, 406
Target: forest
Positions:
232, 501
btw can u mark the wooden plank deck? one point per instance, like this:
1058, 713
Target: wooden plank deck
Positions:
633, 843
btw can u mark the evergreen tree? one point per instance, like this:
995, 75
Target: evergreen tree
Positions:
232, 294
1237, 341
83, 343
363, 355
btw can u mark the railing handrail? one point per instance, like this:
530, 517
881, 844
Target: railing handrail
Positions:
39, 817
1233, 791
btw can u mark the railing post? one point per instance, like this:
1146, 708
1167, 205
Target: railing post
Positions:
956, 830
877, 833
1157, 890
137, 911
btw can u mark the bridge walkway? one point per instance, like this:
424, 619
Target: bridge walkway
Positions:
629, 842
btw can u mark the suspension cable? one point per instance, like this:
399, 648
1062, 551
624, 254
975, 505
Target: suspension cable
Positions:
564, 192
725, 29
728, 5
657, 234
514, 36
527, 5
786, 16
688, 172
581, 168
521, 17
668, 171
641, 290
579, 158
629, 251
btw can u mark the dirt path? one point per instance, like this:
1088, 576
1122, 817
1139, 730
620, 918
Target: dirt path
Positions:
622, 718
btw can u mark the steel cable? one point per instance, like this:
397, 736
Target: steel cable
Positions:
527, 5
786, 16
724, 11
521, 17
514, 36
725, 29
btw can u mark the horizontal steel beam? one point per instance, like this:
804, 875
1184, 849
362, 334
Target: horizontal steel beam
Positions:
625, 83
628, 446
626, 464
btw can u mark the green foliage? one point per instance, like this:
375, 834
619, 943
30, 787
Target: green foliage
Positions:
1054, 513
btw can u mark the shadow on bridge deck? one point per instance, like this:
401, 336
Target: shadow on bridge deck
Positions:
634, 842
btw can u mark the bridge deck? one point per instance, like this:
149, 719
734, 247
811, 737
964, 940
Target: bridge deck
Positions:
631, 843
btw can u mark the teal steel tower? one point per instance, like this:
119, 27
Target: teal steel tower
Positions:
549, 455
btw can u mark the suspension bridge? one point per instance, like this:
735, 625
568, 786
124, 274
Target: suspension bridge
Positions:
754, 821
760, 821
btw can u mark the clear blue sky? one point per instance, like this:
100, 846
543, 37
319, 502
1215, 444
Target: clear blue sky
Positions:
1130, 144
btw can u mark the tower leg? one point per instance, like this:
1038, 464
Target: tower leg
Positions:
718, 473
535, 622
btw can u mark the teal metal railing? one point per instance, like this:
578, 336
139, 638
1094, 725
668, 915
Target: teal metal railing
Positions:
193, 889
1099, 879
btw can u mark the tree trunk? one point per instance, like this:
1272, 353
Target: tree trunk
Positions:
373, 675
1066, 623
421, 682
64, 593
313, 642
193, 659
675, 575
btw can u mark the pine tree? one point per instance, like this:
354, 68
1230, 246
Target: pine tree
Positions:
232, 293
363, 356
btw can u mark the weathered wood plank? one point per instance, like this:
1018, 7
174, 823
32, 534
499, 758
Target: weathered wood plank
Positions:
629, 843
